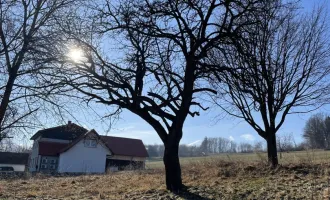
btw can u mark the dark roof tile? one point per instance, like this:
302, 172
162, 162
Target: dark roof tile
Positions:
125, 146
14, 158
66, 132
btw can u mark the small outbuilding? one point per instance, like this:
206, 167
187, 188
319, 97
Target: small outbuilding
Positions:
18, 161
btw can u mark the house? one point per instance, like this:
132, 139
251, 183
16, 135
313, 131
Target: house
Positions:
73, 149
18, 161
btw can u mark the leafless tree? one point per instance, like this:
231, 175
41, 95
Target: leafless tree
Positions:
317, 132
285, 142
161, 72
245, 147
258, 146
281, 69
8, 145
223, 145
26, 40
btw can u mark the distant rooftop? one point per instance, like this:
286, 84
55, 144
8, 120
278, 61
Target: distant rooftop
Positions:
125, 146
14, 158
69, 131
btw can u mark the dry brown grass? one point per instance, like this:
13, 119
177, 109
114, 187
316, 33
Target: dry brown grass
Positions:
213, 179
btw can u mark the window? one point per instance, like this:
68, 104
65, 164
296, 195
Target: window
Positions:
52, 167
44, 160
53, 161
90, 143
43, 166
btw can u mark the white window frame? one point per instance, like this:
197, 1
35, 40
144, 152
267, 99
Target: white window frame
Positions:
44, 160
90, 143
52, 167
53, 161
43, 166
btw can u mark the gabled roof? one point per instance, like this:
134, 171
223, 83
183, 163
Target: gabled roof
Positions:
51, 148
75, 133
125, 146
14, 158
116, 145
66, 132
68, 146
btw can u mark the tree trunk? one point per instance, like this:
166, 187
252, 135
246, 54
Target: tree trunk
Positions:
5, 101
272, 150
172, 166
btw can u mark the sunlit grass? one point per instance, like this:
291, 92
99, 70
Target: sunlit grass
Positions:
314, 156
304, 175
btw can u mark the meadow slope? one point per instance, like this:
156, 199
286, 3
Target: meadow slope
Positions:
206, 178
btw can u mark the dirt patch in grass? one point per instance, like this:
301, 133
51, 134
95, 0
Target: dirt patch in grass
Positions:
214, 179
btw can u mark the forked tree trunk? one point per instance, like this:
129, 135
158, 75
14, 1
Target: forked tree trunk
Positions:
172, 166
272, 150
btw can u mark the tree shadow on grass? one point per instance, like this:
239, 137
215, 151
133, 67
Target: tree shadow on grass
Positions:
189, 195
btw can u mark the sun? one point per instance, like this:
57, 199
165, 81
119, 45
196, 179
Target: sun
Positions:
76, 55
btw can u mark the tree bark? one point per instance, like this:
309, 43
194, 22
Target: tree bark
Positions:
272, 149
6, 98
172, 166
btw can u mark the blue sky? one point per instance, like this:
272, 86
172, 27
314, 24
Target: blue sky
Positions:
195, 129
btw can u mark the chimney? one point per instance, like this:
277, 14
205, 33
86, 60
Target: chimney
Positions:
69, 122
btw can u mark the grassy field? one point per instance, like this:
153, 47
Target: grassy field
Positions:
308, 156
302, 175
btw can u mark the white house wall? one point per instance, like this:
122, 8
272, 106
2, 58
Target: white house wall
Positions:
17, 168
34, 156
81, 159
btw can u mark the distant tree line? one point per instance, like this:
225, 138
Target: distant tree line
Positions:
316, 135
217, 145
209, 146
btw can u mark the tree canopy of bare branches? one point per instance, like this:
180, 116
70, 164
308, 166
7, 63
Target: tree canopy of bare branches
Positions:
282, 67
162, 70
317, 131
26, 40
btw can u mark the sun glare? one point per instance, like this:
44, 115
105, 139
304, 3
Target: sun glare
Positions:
76, 55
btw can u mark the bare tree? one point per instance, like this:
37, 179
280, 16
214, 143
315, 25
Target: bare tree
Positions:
26, 37
258, 146
316, 132
327, 132
285, 142
281, 69
223, 145
162, 69
245, 147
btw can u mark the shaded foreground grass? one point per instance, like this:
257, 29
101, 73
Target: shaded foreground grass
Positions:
212, 179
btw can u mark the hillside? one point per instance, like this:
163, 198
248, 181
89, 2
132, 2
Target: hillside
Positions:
207, 179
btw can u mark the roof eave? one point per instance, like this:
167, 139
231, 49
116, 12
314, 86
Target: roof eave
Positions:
35, 136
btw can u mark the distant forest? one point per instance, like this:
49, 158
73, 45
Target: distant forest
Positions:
218, 145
